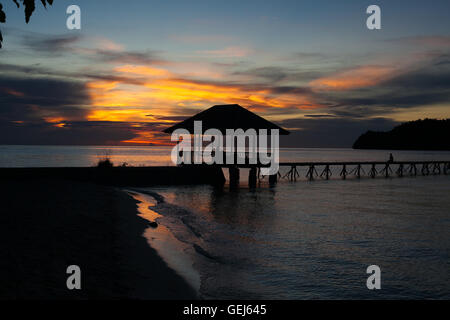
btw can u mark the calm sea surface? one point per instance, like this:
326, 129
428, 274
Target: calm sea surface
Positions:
303, 240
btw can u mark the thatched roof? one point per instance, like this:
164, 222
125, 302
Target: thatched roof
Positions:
223, 117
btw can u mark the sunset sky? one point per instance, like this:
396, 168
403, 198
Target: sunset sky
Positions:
137, 67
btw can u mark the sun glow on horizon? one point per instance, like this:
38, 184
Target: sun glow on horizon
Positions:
148, 94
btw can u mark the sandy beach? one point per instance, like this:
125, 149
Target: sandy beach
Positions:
47, 225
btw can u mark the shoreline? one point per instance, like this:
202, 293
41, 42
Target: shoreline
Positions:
151, 276
49, 224
168, 247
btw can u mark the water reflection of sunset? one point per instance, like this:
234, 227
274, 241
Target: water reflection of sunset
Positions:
172, 250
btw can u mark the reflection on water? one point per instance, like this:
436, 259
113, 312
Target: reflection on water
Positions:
170, 249
315, 240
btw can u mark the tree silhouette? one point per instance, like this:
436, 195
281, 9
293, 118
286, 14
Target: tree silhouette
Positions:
28, 5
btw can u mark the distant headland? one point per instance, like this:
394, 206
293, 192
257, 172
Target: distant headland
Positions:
428, 134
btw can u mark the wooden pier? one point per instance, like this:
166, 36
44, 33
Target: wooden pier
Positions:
372, 169
344, 170
213, 174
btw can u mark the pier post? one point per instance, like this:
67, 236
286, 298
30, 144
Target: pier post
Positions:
358, 171
234, 176
252, 177
344, 172
291, 174
295, 173
373, 171
400, 170
412, 169
387, 169
310, 174
437, 168
273, 179
327, 172
425, 169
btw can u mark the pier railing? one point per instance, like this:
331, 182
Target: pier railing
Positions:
370, 169
342, 169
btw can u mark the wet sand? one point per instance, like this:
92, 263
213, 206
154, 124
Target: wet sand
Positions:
47, 225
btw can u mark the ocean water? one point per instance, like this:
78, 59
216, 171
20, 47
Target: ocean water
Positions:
85, 156
297, 240
315, 240
81, 156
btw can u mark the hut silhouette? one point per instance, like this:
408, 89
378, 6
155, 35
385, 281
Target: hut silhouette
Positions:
232, 116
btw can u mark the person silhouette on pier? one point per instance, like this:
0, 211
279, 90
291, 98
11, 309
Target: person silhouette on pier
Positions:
391, 158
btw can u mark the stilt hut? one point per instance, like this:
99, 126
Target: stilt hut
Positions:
223, 117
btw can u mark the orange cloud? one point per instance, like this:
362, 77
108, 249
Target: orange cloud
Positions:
164, 89
56, 121
115, 114
106, 44
144, 137
160, 92
13, 92
143, 70
105, 85
360, 77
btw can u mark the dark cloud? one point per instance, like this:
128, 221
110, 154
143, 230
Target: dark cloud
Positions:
75, 133
310, 55
51, 45
29, 99
170, 118
422, 86
13, 68
329, 132
62, 44
145, 58
444, 60
274, 74
434, 77
319, 116
291, 90
38, 71
387, 103
430, 40
30, 102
